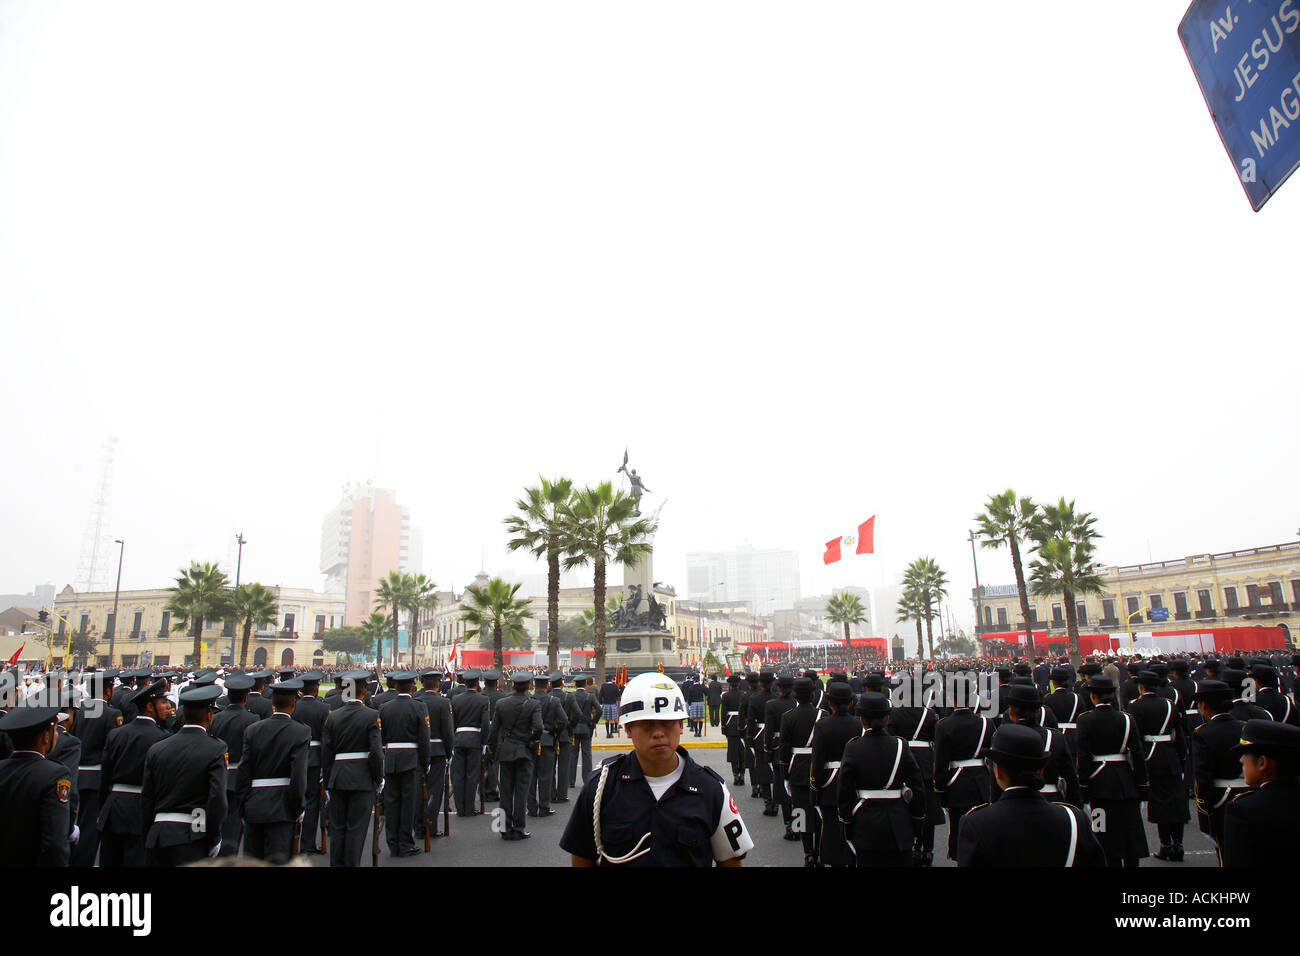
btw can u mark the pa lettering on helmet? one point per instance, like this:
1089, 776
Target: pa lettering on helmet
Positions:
672, 706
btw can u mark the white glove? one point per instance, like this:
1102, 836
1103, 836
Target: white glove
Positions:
302, 816
327, 800
76, 834
212, 854
485, 750
381, 787
788, 791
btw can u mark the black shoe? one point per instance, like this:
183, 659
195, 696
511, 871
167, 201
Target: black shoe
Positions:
511, 836
522, 834
770, 811
809, 860
560, 800
548, 812
410, 853
927, 858
753, 792
790, 835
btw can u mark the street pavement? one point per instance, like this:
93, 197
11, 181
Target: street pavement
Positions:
473, 842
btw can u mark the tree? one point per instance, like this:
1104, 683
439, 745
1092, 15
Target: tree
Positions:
496, 610
256, 606
539, 528
394, 592
931, 585
600, 525
201, 593
911, 608
373, 630
352, 641
422, 595
1008, 519
580, 629
958, 644
1065, 566
845, 608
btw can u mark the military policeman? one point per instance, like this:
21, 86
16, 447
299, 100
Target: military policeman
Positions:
754, 733
183, 793
273, 777
655, 806
405, 725
122, 826
1216, 766
35, 793
352, 766
777, 708
513, 739
469, 711
1262, 826
229, 727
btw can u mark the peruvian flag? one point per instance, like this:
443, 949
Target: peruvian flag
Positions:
451, 658
865, 541
14, 660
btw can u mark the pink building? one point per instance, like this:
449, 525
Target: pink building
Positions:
363, 538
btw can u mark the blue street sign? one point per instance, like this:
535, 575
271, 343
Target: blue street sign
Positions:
1246, 57
1159, 614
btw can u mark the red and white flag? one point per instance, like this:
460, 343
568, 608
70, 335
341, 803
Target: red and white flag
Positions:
451, 658
14, 660
865, 541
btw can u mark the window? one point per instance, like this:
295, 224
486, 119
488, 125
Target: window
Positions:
1180, 602
85, 623
1275, 592
1057, 618
1133, 604
1157, 601
1108, 609
1203, 604
1081, 612
63, 628
1033, 615
162, 660
1295, 591
1002, 617
320, 623
129, 660
165, 627
137, 624
988, 615
288, 623
110, 623
1252, 595
1230, 598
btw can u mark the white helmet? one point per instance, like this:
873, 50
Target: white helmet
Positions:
651, 696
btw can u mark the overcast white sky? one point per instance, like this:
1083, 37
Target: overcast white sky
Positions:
810, 262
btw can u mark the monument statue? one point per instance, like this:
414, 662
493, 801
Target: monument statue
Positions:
638, 486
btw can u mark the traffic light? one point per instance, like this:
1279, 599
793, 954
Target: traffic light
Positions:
44, 616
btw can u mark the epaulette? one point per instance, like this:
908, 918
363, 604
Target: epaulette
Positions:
712, 773
613, 761
973, 809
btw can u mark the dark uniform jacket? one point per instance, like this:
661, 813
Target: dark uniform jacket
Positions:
229, 726
351, 730
35, 803
383, 697
1184, 689
554, 718
1161, 725
516, 729
917, 726
404, 723
732, 703
1278, 705
312, 712
259, 706
960, 737
182, 773
442, 727
795, 748
1107, 732
273, 774
830, 735
67, 751
124, 754
1023, 829
775, 709
1061, 780
608, 693
571, 715
878, 763
754, 726
1066, 706
469, 714
588, 709
714, 693
91, 723
1262, 827
122, 705
1215, 763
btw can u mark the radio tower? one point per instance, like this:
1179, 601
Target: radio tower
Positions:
95, 542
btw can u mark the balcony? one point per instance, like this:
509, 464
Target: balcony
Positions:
1182, 615
1108, 622
1205, 614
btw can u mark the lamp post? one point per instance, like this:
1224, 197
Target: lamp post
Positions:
240, 559
979, 595
117, 590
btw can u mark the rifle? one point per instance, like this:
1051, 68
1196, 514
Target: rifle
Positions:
446, 799
374, 844
324, 823
297, 839
428, 824
482, 784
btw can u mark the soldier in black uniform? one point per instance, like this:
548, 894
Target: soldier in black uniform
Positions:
229, 727
1066, 706
713, 698
35, 793
122, 826
442, 736
795, 759
491, 788
1262, 826
961, 780
93, 719
469, 713
754, 733
183, 794
564, 740
1267, 695
67, 747
1244, 707
830, 734
273, 777
352, 766
1160, 721
1023, 828
258, 703
405, 725
513, 739
748, 690
733, 729
1060, 779
879, 793
382, 697
125, 690
311, 711
553, 719
585, 703
916, 721
1216, 767
1113, 774
777, 708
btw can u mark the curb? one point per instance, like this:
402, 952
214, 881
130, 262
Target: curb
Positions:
689, 745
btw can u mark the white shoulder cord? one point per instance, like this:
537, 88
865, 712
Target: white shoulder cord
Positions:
635, 852
1074, 836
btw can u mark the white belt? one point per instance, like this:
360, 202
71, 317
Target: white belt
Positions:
880, 794
974, 762
1110, 758
315, 743
469, 730
186, 818
272, 782
233, 766
732, 713
1049, 788
1236, 782
801, 751
126, 788
88, 767
1067, 726
1158, 738
918, 743
832, 765
352, 755
402, 745
1192, 712
759, 726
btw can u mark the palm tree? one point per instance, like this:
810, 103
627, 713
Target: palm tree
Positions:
257, 606
393, 592
584, 624
496, 609
911, 608
422, 596
1008, 519
539, 527
931, 585
600, 525
1065, 565
201, 593
845, 608
373, 630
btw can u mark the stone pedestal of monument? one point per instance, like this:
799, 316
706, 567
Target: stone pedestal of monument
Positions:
639, 650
